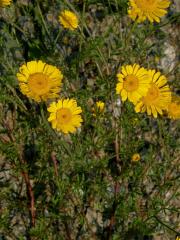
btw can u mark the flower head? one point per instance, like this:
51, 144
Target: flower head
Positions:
152, 10
135, 157
133, 83
99, 108
68, 19
158, 96
65, 115
4, 3
39, 81
174, 108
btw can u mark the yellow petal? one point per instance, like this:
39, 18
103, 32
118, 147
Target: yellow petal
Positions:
32, 67
54, 124
135, 68
119, 87
148, 110
21, 77
52, 107
154, 112
124, 71
52, 117
129, 69
40, 66
59, 104
123, 95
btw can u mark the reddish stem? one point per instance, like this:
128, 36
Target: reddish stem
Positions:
31, 196
53, 157
24, 174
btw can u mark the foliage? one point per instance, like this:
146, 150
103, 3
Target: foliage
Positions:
84, 185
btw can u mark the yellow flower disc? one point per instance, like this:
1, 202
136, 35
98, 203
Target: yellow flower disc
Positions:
39, 81
65, 115
158, 96
152, 10
133, 83
4, 3
68, 19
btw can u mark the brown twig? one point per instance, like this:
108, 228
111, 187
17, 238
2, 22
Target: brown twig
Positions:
29, 187
67, 231
31, 197
54, 159
117, 144
25, 175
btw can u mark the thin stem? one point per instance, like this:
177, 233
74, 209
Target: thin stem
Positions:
57, 37
21, 104
164, 224
18, 28
25, 175
31, 196
174, 68
42, 18
130, 33
54, 160
67, 230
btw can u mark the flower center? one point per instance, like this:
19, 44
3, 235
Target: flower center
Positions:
152, 94
39, 83
131, 83
64, 116
146, 5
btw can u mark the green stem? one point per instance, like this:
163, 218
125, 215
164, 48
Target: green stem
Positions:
127, 40
57, 37
18, 28
42, 18
165, 225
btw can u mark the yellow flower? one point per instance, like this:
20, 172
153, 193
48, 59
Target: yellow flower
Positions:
68, 19
152, 10
4, 3
39, 81
174, 108
133, 83
158, 96
65, 115
99, 108
135, 157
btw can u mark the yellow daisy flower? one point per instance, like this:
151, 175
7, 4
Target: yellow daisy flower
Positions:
133, 83
174, 108
135, 157
4, 3
65, 115
158, 96
39, 81
152, 10
68, 19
